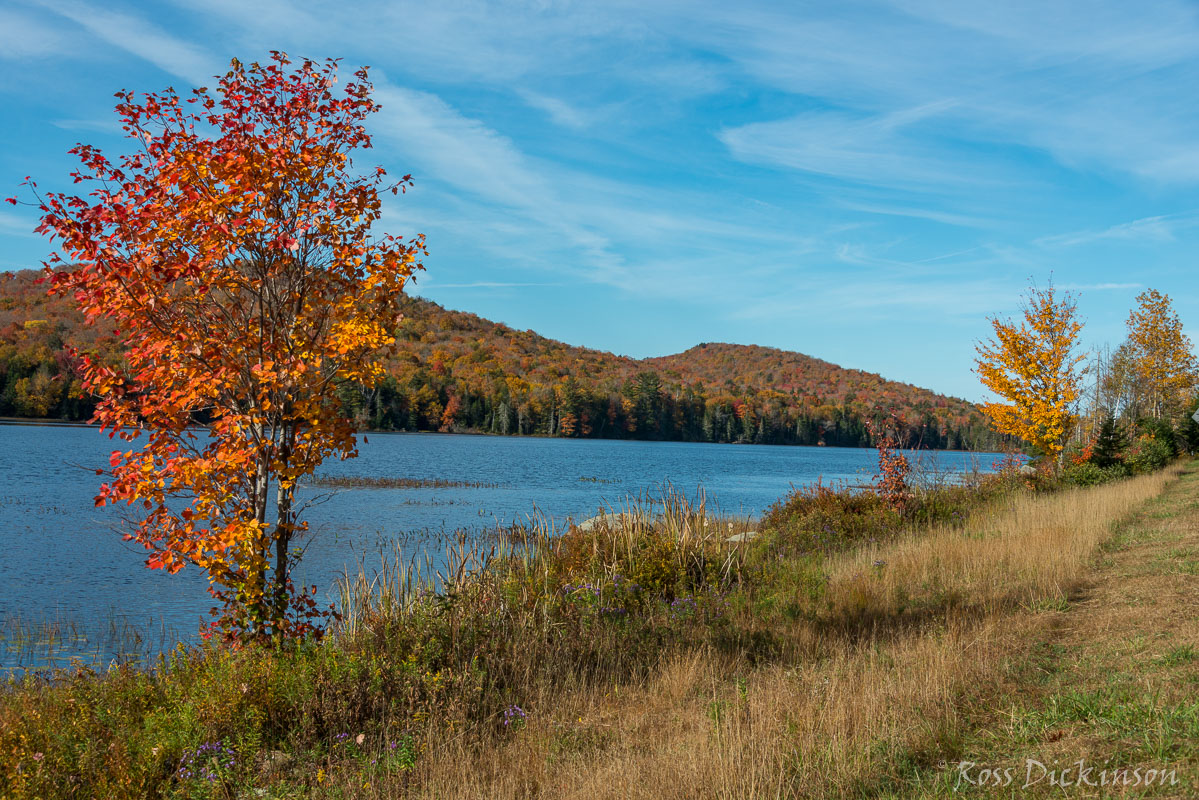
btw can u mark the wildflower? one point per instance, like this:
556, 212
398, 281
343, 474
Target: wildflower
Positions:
514, 716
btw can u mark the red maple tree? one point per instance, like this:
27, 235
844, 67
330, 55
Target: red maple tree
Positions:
232, 250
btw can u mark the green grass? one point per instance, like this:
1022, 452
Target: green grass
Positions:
1183, 654
1055, 603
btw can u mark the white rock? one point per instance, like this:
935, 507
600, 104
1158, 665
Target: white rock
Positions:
611, 520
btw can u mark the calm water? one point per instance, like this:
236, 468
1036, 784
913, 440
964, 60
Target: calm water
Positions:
63, 559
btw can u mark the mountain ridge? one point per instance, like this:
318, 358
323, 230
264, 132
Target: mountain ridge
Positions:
458, 371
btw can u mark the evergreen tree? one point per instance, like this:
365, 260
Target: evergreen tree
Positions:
1187, 437
1109, 444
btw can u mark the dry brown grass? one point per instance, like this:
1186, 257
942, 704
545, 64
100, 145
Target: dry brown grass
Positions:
698, 730
1028, 550
874, 700
705, 727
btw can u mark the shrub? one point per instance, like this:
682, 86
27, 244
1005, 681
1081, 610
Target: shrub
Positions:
1149, 453
1161, 430
1117, 471
951, 503
1084, 474
820, 518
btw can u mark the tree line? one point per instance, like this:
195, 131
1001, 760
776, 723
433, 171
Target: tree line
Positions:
454, 371
638, 408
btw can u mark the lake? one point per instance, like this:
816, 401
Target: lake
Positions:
62, 560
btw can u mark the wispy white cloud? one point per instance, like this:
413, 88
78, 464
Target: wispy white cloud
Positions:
1145, 36
878, 298
906, 148
460, 150
1148, 229
487, 170
1096, 87
1100, 287
560, 112
281, 18
17, 225
869, 255
486, 285
108, 125
135, 35
916, 212
523, 201
944, 256
25, 37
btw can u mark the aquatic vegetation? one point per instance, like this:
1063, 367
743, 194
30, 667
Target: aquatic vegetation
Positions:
367, 482
39, 643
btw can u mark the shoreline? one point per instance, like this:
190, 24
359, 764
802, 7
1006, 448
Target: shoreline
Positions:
49, 422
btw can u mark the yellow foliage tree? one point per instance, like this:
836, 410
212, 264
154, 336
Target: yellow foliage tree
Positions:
1032, 365
1162, 354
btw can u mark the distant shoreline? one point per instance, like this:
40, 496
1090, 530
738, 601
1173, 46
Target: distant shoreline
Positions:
48, 423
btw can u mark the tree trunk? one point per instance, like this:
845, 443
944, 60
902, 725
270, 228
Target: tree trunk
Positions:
255, 577
284, 528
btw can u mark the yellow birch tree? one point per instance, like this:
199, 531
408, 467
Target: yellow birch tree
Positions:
1162, 354
1033, 367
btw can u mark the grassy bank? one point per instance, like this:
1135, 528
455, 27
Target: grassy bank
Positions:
905, 661
845, 650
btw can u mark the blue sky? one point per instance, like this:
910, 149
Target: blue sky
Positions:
862, 182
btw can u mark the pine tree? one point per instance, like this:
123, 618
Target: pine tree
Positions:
1109, 444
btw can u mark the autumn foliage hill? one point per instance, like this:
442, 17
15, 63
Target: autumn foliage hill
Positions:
455, 371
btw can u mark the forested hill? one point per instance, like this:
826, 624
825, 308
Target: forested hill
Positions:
459, 372
740, 368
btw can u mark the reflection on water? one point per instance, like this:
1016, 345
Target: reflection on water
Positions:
62, 561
